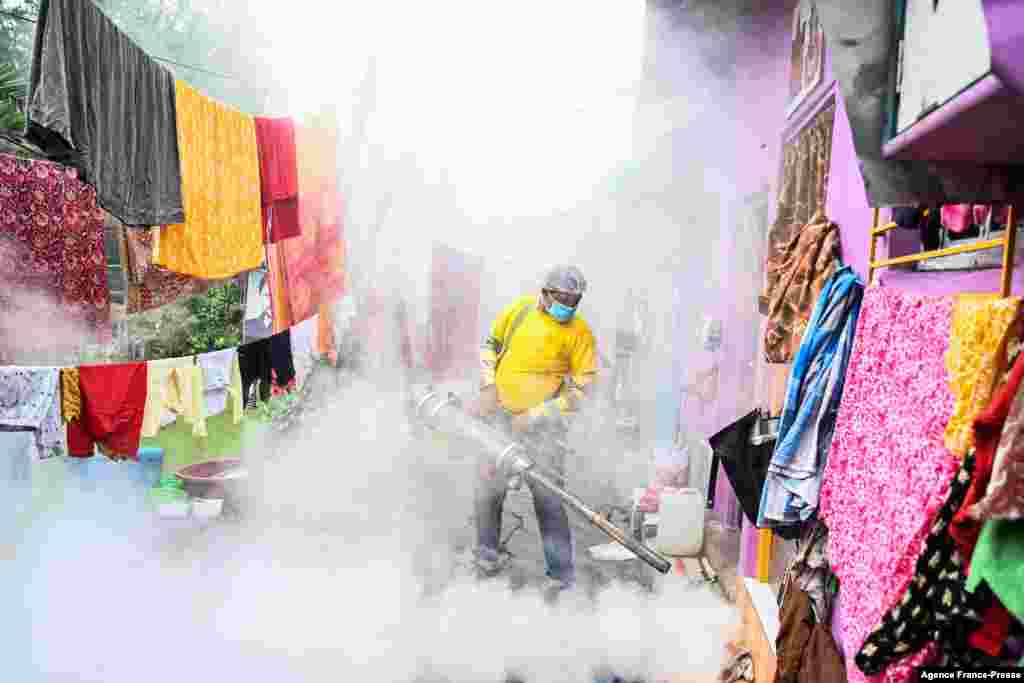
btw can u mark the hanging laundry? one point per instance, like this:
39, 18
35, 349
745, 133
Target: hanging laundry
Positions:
151, 286
314, 262
303, 338
221, 235
936, 608
888, 470
255, 365
279, 179
957, 218
799, 271
268, 362
1003, 495
998, 561
222, 381
999, 214
809, 571
931, 229
790, 494
277, 283
981, 325
908, 217
30, 399
282, 361
176, 387
744, 463
113, 405
70, 395
97, 99
58, 229
259, 320
988, 430
795, 625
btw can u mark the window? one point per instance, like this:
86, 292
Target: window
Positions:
983, 225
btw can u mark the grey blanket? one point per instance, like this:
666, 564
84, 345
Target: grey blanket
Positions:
98, 102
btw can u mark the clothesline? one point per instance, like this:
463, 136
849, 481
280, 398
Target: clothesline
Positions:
167, 60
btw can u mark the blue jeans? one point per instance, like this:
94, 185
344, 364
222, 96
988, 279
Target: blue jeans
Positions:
552, 519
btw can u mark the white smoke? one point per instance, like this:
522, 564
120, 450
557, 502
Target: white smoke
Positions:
319, 585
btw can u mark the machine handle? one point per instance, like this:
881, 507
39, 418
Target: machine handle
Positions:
652, 558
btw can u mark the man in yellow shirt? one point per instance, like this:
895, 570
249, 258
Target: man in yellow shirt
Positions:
537, 364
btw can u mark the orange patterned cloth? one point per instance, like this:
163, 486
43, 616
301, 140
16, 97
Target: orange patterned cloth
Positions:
277, 274
220, 180
975, 359
313, 265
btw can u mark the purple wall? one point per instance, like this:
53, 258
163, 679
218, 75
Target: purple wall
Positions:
762, 61
847, 200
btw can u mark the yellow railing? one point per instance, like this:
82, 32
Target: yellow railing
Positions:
1008, 242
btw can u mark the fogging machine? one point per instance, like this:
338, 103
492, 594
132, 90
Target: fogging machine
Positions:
443, 413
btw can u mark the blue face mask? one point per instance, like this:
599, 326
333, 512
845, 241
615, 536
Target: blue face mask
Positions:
561, 312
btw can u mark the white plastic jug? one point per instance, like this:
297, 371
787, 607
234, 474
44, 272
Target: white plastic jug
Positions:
680, 523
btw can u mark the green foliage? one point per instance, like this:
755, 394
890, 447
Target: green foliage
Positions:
275, 409
17, 35
216, 319
11, 88
207, 322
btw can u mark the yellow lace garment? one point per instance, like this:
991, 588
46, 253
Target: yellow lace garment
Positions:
175, 387
975, 359
70, 395
220, 183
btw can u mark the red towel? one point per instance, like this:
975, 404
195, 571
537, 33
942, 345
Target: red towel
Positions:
279, 177
113, 403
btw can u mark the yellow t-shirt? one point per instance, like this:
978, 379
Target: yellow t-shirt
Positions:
544, 358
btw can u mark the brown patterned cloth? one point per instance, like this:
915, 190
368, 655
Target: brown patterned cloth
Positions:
70, 395
150, 286
799, 271
802, 190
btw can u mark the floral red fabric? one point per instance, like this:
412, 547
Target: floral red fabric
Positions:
54, 216
888, 470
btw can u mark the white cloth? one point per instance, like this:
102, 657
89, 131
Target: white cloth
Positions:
217, 375
304, 347
30, 398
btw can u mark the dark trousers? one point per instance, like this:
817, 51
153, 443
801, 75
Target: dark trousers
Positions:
552, 519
